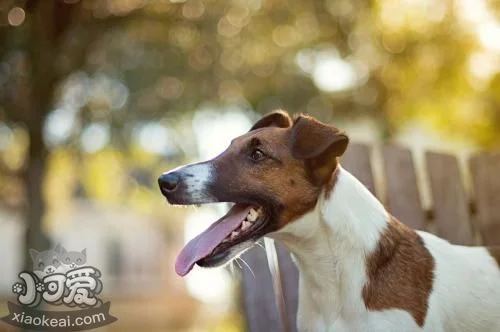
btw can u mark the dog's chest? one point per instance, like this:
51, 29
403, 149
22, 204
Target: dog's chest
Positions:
385, 321
328, 306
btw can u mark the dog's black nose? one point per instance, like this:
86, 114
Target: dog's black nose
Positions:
169, 181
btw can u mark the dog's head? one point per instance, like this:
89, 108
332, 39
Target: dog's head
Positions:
273, 174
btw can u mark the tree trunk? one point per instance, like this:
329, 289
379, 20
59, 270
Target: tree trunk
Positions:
33, 182
42, 50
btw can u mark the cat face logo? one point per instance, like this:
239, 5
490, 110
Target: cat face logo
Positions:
59, 278
73, 259
57, 260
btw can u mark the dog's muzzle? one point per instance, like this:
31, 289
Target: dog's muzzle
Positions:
169, 182
188, 185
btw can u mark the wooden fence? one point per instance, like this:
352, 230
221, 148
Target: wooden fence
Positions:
456, 215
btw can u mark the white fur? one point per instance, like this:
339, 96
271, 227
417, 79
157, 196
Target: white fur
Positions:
466, 293
196, 178
330, 245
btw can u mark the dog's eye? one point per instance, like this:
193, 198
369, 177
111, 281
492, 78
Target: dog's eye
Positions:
257, 155
41, 265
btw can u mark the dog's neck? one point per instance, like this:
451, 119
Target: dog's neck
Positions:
330, 245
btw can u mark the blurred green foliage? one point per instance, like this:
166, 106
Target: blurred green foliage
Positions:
411, 59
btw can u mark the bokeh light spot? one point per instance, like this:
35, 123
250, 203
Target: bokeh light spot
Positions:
16, 16
95, 136
169, 88
193, 9
6, 136
334, 74
489, 35
59, 125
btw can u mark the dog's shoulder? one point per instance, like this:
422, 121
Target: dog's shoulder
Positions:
400, 273
466, 285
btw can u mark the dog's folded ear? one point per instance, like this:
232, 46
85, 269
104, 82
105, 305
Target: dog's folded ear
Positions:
311, 138
318, 144
279, 119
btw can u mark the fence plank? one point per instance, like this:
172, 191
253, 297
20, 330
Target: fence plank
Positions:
259, 304
357, 160
484, 168
403, 198
450, 204
290, 283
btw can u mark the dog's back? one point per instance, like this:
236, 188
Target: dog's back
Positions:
466, 289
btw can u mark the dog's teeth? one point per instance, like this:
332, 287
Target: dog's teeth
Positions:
245, 225
252, 215
234, 234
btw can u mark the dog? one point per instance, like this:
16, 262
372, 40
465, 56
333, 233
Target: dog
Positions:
360, 269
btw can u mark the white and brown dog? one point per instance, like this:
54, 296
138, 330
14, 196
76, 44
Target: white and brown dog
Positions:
360, 268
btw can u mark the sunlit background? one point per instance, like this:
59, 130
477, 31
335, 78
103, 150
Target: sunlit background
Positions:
99, 97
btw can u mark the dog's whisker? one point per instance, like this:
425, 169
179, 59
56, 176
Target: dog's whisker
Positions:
246, 264
236, 261
260, 245
231, 269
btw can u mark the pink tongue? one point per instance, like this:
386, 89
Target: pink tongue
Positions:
203, 245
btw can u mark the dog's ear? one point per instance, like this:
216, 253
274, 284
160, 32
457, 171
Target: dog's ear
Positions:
279, 119
318, 144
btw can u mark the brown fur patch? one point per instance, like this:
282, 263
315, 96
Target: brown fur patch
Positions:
331, 183
400, 273
495, 253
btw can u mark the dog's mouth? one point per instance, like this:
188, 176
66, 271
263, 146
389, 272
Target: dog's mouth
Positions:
242, 223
